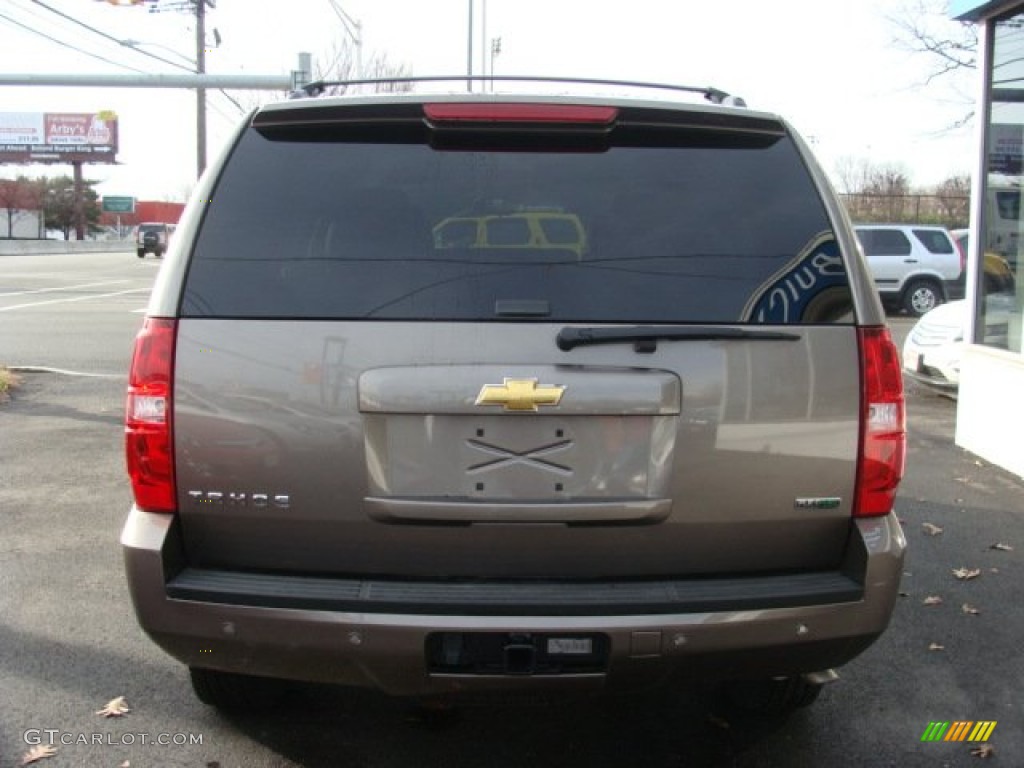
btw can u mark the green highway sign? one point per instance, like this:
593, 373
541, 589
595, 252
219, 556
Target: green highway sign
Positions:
118, 204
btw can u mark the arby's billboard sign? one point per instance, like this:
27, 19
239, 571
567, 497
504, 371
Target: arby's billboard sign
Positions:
58, 137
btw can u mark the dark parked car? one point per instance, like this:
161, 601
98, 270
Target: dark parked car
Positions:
363, 456
153, 237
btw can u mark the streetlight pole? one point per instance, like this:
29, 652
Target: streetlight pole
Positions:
469, 52
483, 39
354, 29
200, 92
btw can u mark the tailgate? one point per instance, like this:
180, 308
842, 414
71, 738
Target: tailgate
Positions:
369, 379
344, 448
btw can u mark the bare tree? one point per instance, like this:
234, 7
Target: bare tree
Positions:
382, 69
341, 65
876, 192
883, 194
889, 187
925, 27
852, 173
954, 195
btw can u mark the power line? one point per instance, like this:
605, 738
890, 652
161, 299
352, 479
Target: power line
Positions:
233, 100
221, 112
103, 34
69, 45
67, 29
154, 56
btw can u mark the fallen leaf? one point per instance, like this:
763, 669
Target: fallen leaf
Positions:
936, 647
933, 600
126, 764
37, 753
965, 574
985, 751
931, 530
968, 608
114, 708
1002, 547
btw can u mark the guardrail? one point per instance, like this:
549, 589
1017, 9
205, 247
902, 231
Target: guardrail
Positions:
43, 247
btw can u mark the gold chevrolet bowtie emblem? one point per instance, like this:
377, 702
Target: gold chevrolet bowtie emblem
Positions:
519, 395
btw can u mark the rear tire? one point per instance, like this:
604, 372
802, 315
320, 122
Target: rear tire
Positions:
228, 691
141, 254
776, 696
921, 296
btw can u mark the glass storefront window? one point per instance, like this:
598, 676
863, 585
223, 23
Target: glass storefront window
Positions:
1001, 309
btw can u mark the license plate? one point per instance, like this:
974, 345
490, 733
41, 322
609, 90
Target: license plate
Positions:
570, 645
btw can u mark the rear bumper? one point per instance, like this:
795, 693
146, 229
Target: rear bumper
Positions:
328, 631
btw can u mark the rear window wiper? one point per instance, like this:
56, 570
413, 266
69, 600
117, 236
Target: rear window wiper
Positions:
645, 337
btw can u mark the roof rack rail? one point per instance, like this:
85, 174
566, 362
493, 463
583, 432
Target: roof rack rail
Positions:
714, 95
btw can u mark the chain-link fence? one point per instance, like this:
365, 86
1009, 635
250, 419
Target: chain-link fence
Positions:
948, 211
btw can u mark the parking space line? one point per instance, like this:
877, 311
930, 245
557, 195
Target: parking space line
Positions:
63, 372
66, 288
76, 298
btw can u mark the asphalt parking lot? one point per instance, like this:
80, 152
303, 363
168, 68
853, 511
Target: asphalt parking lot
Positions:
69, 642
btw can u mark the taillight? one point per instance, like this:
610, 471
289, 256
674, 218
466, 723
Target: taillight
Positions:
148, 444
520, 113
883, 439
962, 249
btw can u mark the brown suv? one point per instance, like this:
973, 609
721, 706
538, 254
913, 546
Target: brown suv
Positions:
362, 457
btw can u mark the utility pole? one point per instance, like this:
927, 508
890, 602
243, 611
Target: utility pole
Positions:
200, 91
79, 201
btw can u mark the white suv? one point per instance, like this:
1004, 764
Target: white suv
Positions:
915, 267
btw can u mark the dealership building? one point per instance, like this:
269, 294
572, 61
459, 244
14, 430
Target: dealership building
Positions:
990, 410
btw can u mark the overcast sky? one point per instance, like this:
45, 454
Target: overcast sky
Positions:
833, 69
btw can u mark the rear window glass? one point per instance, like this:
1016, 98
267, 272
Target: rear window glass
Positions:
934, 240
884, 242
339, 230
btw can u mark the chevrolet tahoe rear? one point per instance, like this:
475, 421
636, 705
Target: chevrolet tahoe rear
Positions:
363, 457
